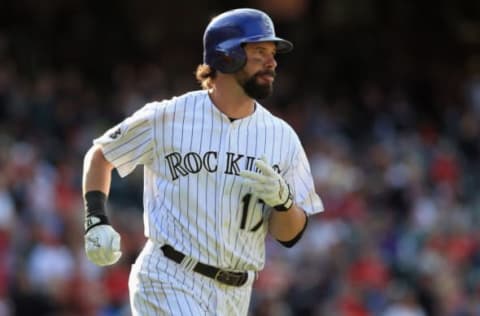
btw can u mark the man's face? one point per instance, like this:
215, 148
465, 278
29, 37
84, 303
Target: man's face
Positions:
257, 76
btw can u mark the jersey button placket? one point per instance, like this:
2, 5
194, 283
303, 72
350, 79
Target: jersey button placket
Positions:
224, 138
231, 149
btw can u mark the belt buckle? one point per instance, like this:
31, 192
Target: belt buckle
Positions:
227, 277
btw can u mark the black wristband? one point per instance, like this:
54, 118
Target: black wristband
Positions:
95, 220
95, 202
285, 206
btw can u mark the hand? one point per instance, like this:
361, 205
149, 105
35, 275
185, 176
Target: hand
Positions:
268, 186
102, 245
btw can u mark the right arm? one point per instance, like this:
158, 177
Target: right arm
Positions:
126, 145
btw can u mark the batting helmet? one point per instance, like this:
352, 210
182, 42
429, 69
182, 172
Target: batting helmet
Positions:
226, 34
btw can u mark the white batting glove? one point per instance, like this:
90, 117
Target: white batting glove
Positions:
268, 186
102, 245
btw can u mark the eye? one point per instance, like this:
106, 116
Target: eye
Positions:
260, 50
263, 51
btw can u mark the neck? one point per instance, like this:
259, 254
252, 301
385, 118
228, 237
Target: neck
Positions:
231, 100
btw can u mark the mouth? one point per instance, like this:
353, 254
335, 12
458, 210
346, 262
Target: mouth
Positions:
268, 76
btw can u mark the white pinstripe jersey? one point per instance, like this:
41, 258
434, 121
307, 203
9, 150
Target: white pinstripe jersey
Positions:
194, 199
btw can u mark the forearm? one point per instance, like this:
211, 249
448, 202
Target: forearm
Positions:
285, 226
96, 172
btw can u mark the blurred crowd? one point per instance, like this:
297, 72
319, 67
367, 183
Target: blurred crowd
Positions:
388, 111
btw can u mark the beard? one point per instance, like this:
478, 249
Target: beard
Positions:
253, 88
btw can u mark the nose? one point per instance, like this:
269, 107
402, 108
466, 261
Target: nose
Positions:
271, 62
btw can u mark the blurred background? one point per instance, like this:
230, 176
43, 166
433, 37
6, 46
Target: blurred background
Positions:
385, 96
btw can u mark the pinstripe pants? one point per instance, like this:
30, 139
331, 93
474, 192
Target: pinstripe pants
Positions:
159, 286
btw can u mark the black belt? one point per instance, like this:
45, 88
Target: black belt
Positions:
222, 276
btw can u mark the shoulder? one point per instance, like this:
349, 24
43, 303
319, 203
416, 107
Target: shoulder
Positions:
174, 102
187, 98
271, 120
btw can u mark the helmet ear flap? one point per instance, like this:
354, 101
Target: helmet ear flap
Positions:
229, 61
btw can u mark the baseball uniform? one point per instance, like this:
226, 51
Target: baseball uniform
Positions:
195, 201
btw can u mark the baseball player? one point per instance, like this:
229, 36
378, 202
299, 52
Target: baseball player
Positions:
220, 173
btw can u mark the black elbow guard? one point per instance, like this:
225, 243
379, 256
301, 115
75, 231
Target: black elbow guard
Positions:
291, 243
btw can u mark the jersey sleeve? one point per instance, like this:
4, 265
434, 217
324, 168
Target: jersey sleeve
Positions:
130, 143
299, 178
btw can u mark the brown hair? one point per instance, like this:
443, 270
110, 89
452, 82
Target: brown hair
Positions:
205, 75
